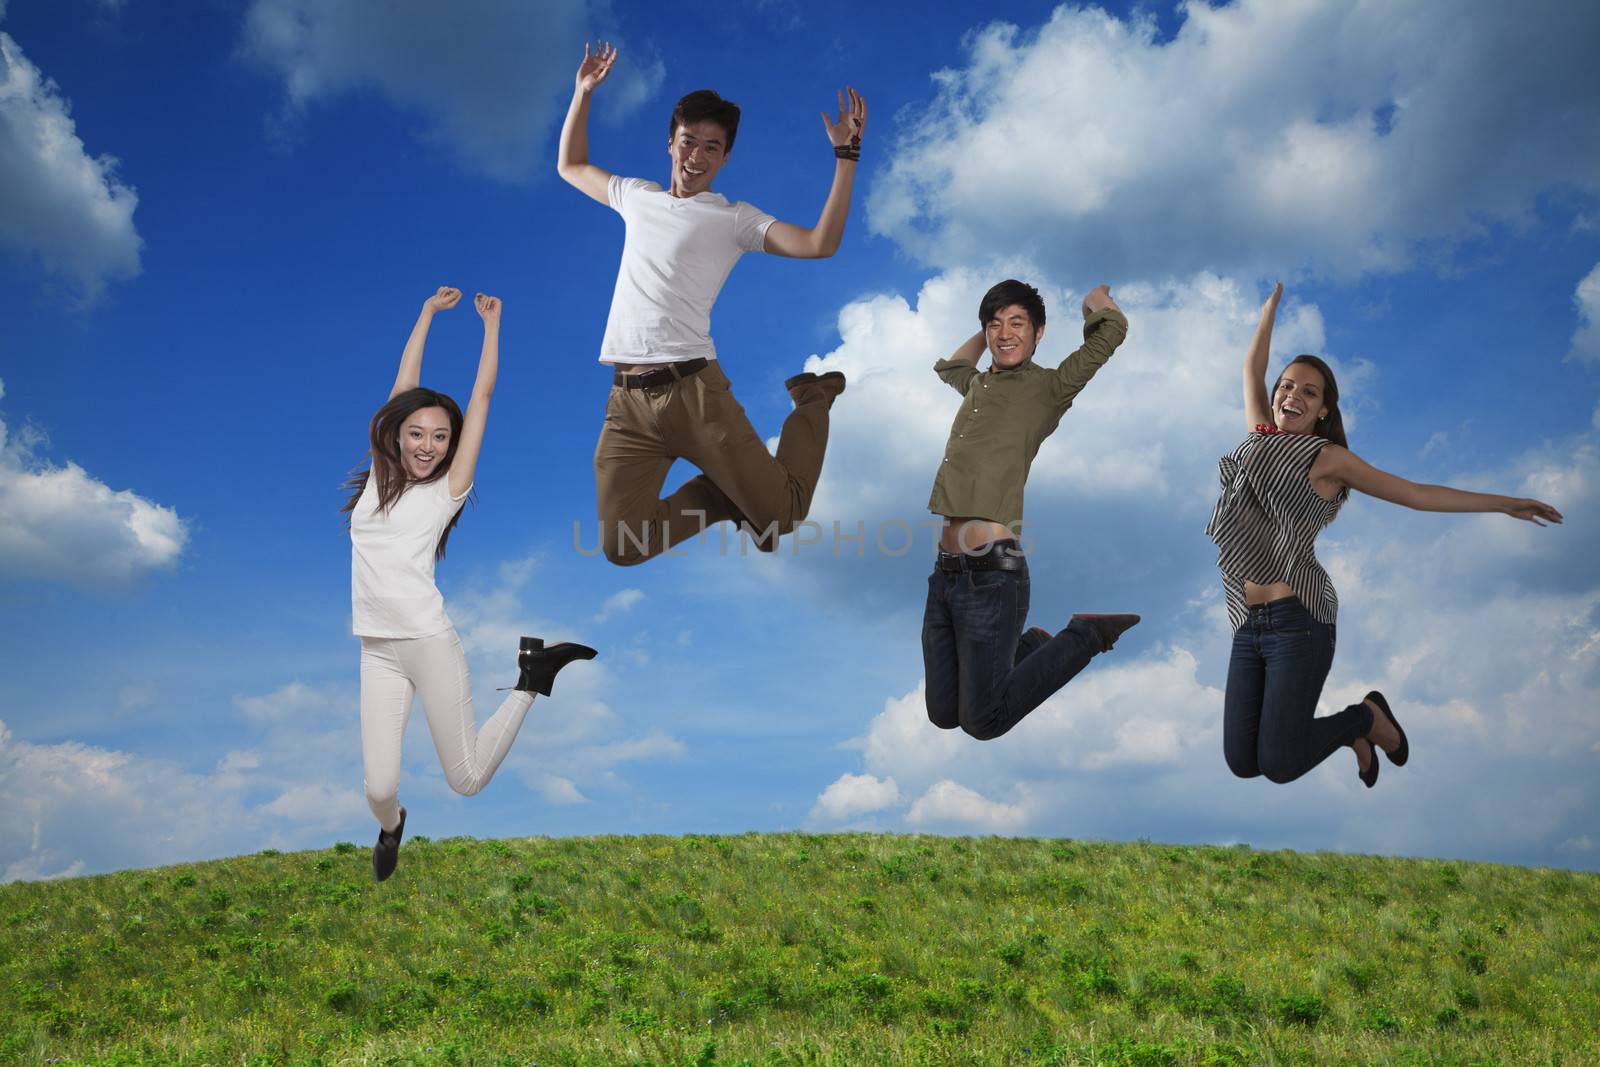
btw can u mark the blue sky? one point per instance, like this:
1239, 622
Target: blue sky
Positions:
217, 223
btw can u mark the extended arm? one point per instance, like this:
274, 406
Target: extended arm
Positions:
572, 158
1257, 405
822, 240
465, 464
1343, 467
411, 359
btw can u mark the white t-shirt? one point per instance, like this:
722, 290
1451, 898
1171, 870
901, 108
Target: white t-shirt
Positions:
676, 255
391, 560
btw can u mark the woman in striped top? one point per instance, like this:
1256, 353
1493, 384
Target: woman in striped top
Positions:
1280, 487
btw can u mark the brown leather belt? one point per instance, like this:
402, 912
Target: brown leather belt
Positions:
665, 374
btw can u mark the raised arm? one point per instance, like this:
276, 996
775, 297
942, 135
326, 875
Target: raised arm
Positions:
572, 158
957, 371
1104, 328
465, 464
1257, 405
822, 240
411, 359
1342, 467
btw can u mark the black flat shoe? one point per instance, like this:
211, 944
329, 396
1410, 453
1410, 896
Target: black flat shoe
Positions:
386, 853
539, 664
1402, 753
1369, 777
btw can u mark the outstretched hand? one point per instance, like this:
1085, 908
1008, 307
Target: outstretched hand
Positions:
1530, 510
488, 308
1098, 299
444, 299
846, 129
594, 68
1273, 298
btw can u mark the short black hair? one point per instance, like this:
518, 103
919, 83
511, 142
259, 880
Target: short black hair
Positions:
704, 105
1011, 292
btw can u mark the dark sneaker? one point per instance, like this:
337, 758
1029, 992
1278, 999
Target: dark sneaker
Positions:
386, 853
1107, 628
807, 387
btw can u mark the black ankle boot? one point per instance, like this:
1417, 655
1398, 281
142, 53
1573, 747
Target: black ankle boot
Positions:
539, 664
386, 853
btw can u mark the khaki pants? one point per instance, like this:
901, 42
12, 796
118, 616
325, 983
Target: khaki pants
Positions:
697, 418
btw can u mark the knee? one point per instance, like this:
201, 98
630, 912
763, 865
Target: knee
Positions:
984, 729
1242, 764
1278, 772
466, 785
622, 543
382, 795
621, 555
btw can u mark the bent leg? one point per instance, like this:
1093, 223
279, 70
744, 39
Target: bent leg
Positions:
940, 664
1292, 739
385, 707
469, 756
771, 492
631, 461
1044, 673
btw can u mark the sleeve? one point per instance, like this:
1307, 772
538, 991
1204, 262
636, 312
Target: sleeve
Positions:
956, 373
750, 225
1102, 333
618, 189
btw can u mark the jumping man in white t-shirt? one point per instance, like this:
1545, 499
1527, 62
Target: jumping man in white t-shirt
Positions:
669, 397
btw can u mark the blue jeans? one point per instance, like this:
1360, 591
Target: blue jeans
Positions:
1281, 657
984, 674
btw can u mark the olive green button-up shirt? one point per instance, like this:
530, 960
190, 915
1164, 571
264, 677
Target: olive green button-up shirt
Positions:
1004, 419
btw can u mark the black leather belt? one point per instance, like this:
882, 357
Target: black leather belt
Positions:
666, 374
999, 556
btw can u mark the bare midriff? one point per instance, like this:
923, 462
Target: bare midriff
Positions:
1255, 593
971, 535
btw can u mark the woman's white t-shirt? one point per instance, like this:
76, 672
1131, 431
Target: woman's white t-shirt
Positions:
391, 560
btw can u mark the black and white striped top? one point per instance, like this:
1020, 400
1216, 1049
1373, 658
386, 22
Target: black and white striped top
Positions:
1267, 519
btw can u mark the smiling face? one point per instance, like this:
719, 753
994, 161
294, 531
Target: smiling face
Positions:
424, 442
1011, 337
1298, 399
698, 151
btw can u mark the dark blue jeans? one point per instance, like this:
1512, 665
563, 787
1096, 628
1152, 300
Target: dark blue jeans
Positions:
1281, 657
984, 674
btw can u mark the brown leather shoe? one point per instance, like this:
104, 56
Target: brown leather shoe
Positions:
808, 387
1107, 628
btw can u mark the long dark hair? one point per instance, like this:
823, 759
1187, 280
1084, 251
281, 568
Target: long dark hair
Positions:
384, 454
1330, 426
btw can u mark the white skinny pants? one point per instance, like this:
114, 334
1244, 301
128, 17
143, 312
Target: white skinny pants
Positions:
392, 670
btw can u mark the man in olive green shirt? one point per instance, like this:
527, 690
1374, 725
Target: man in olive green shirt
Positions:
983, 672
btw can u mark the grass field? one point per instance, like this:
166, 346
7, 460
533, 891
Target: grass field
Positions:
800, 949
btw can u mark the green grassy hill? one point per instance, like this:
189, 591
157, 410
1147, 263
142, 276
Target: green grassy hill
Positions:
799, 949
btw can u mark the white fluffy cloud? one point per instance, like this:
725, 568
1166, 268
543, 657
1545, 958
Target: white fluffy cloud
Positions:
62, 523
1586, 341
950, 805
852, 796
59, 206
488, 84
1263, 136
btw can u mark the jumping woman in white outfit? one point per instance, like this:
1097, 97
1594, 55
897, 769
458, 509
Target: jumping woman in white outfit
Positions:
402, 509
